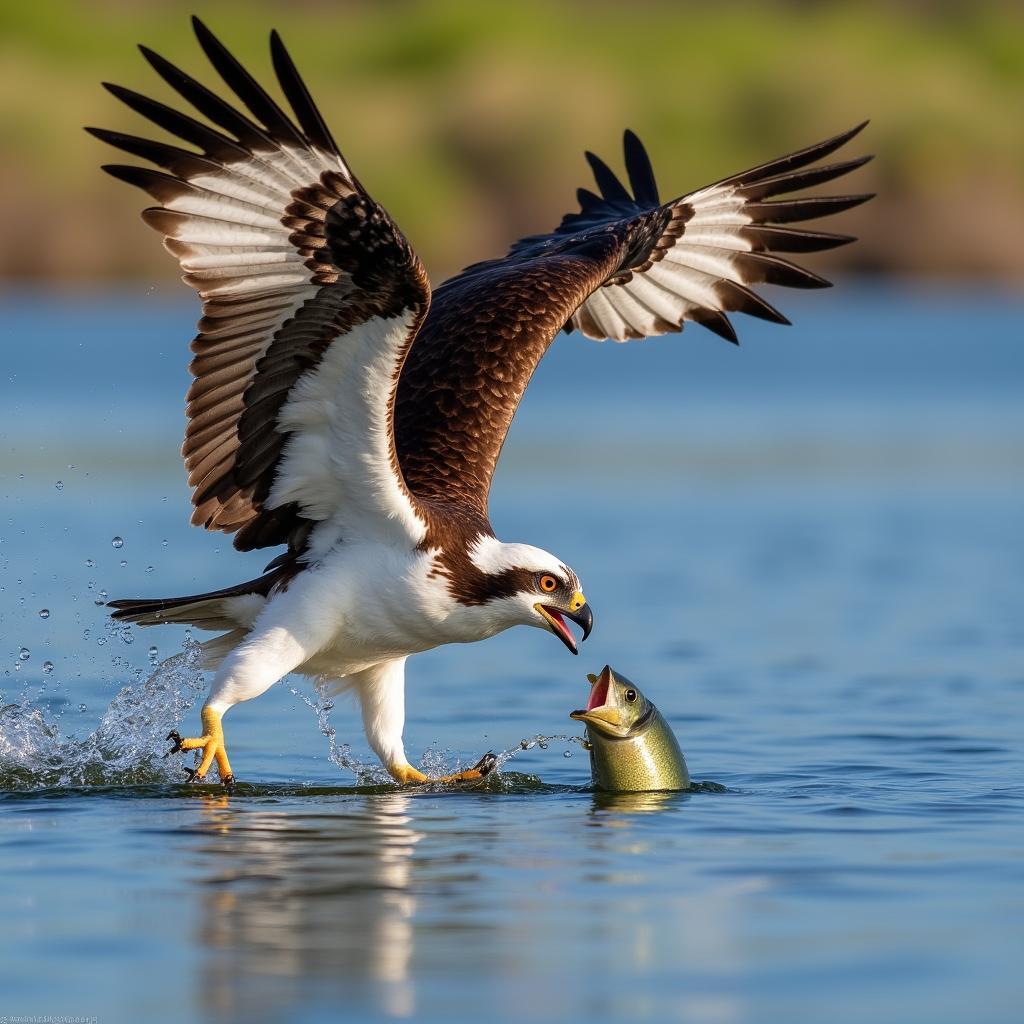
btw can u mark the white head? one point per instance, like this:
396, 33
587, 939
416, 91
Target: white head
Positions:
520, 585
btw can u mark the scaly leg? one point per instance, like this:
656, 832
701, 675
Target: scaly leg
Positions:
405, 773
381, 691
263, 657
212, 745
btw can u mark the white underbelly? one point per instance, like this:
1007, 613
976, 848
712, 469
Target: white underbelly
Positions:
382, 604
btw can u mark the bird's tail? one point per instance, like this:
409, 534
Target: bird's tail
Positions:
231, 608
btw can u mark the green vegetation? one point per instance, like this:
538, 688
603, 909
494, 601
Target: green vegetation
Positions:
468, 120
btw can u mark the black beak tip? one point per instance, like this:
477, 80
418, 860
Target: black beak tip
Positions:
585, 618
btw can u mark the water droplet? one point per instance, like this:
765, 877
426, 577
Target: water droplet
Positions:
90, 564
118, 542
44, 613
59, 485
163, 543
47, 667
124, 562
149, 568
101, 641
82, 708
153, 652
24, 654
567, 753
103, 594
543, 744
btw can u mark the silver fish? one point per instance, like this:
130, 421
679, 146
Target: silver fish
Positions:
632, 748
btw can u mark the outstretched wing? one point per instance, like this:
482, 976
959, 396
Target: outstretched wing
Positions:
703, 251
625, 266
311, 299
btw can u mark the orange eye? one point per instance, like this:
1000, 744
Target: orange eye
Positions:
548, 584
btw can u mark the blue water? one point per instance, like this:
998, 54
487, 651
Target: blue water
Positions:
808, 551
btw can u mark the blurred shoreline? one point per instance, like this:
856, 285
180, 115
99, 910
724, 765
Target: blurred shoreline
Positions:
469, 122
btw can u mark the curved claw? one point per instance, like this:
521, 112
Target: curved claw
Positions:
211, 743
405, 774
228, 782
486, 764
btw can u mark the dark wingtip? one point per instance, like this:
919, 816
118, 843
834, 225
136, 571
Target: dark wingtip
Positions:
639, 169
607, 181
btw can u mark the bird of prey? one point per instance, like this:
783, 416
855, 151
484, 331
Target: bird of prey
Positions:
341, 408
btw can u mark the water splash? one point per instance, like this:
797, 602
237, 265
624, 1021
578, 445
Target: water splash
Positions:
540, 741
127, 746
340, 754
435, 761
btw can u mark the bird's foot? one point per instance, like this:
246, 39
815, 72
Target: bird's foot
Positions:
211, 743
406, 774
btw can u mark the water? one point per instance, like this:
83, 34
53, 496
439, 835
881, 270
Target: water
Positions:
809, 553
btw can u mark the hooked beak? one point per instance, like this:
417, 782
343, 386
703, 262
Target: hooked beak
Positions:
580, 613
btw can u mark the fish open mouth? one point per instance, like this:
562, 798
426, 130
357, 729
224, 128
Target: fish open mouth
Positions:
599, 711
599, 691
555, 618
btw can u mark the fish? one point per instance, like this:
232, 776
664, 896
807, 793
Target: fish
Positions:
632, 748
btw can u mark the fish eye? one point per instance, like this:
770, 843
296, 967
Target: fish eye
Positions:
631, 696
548, 583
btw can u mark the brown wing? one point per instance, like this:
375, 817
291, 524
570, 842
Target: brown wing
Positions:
482, 340
302, 277
625, 266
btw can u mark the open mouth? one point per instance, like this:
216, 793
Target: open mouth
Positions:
599, 712
599, 691
555, 618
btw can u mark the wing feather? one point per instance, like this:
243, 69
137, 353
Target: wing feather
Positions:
709, 246
308, 287
624, 267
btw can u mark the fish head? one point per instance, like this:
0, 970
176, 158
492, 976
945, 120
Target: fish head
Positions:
616, 705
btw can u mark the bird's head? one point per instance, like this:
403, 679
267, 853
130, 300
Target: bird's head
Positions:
524, 585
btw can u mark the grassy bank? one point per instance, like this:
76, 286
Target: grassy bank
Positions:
469, 120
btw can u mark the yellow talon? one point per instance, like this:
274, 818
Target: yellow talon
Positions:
212, 745
406, 774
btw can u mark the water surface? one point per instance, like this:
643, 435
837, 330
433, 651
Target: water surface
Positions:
808, 552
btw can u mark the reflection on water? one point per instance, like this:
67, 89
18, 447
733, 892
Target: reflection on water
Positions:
362, 899
287, 898
636, 803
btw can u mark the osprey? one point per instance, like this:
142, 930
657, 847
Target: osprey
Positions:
341, 409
